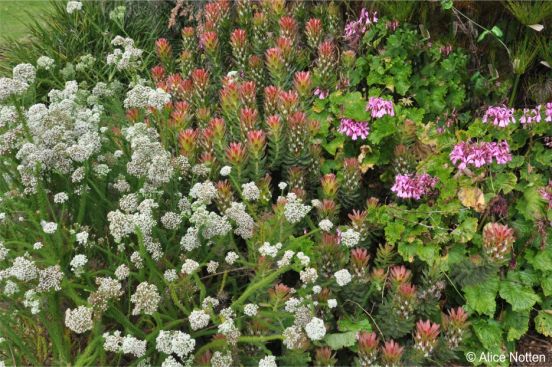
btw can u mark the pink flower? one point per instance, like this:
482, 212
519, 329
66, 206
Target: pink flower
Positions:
355, 30
479, 154
499, 115
380, 107
354, 129
546, 194
548, 112
413, 186
531, 115
321, 93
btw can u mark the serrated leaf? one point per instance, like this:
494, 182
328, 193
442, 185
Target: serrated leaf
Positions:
354, 325
543, 322
519, 296
516, 324
393, 232
340, 340
543, 260
546, 284
480, 297
465, 231
380, 129
505, 182
488, 332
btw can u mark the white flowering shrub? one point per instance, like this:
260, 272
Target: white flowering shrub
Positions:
209, 211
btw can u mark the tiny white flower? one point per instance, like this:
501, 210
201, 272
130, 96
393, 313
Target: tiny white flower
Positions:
49, 227
342, 277
189, 266
332, 303
326, 225
231, 257
282, 185
250, 309
315, 329
225, 171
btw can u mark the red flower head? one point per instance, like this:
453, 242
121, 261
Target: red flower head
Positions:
209, 41
248, 93
497, 240
288, 28
329, 185
163, 50
271, 96
313, 31
236, 153
303, 83
248, 119
187, 140
158, 73
391, 353
256, 140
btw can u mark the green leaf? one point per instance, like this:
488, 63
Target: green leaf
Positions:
516, 324
488, 332
497, 31
480, 297
340, 340
334, 144
519, 296
380, 129
354, 325
505, 182
465, 231
546, 284
543, 322
542, 260
393, 232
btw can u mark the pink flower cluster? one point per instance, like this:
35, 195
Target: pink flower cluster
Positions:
480, 154
546, 194
531, 115
379, 107
355, 30
500, 116
354, 129
413, 186
548, 112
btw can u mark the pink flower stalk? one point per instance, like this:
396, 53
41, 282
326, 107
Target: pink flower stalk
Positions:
426, 336
548, 112
479, 154
380, 107
413, 186
446, 49
546, 193
531, 115
355, 30
500, 116
354, 129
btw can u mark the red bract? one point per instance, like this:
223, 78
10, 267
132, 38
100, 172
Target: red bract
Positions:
391, 353
313, 32
187, 141
497, 240
236, 153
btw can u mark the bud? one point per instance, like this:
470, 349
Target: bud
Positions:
256, 69
188, 39
248, 119
288, 103
426, 335
248, 94
367, 344
324, 358
313, 32
359, 261
498, 206
497, 240
275, 64
391, 353
256, 141
454, 325
303, 83
238, 41
181, 115
157, 73
329, 186
327, 210
187, 140
225, 195
399, 275
271, 98
209, 41
288, 28
279, 293
200, 78
163, 50
236, 154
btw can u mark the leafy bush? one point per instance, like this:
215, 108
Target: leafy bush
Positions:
277, 190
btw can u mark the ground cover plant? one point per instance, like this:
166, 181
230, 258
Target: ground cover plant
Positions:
282, 184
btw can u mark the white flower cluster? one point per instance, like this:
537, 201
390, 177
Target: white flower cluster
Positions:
149, 159
79, 319
294, 209
176, 342
245, 224
63, 134
142, 96
45, 62
19, 83
189, 266
343, 277
315, 329
204, 192
77, 264
250, 309
124, 344
73, 6
326, 225
268, 250
198, 319
146, 299
123, 224
350, 237
250, 191
268, 361
126, 58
